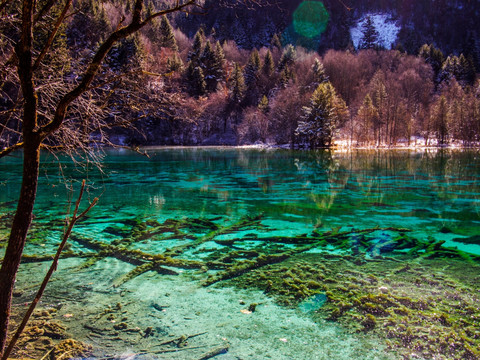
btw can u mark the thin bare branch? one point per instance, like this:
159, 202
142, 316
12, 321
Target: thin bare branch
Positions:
9, 129
24, 51
72, 14
349, 8
115, 79
89, 75
54, 32
11, 148
126, 74
3, 5
52, 269
178, 7
44, 10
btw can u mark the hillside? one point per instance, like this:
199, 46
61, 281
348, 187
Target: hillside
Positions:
227, 74
450, 25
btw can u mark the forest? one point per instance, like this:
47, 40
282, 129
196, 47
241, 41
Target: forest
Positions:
161, 87
76, 75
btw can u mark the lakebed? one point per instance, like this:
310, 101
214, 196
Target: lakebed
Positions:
259, 253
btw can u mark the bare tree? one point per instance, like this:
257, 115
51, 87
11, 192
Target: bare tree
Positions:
36, 130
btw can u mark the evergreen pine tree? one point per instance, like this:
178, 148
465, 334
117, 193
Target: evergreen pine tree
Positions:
434, 57
218, 67
288, 57
167, 38
341, 112
319, 75
263, 104
88, 25
207, 61
460, 68
268, 64
174, 63
471, 49
219, 53
450, 68
196, 80
102, 21
150, 9
208, 55
369, 35
255, 59
275, 42
201, 33
213, 32
319, 120
128, 53
237, 84
195, 53
252, 68
286, 76
152, 30
466, 72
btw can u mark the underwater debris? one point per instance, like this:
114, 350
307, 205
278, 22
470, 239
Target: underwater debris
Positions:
408, 302
475, 239
379, 280
245, 222
70, 348
222, 349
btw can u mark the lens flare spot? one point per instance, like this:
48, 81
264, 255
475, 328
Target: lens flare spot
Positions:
310, 19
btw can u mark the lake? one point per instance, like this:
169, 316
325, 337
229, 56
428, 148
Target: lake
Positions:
258, 253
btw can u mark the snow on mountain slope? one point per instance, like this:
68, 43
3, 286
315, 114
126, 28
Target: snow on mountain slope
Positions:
387, 29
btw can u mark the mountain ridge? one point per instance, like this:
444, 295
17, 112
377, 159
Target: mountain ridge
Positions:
448, 24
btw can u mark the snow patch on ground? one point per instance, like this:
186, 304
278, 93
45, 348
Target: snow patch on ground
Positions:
386, 27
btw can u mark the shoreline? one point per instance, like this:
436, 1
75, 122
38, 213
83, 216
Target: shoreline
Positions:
341, 148
337, 147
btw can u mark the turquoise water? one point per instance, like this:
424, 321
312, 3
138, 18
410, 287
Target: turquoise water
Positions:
295, 192
205, 203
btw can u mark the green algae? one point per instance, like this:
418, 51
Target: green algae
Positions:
414, 305
47, 337
360, 292
5, 222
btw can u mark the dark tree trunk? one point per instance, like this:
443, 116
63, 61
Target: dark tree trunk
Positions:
33, 135
18, 235
31, 159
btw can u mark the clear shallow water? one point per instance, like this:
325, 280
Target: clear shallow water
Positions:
294, 191
435, 195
